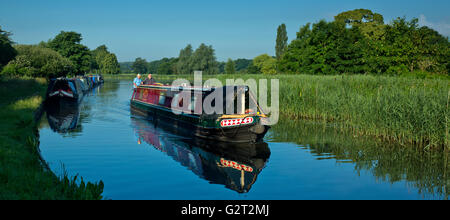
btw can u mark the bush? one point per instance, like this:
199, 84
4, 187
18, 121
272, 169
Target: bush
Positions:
37, 61
397, 70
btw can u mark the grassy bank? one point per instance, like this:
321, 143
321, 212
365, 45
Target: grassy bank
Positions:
406, 110
23, 175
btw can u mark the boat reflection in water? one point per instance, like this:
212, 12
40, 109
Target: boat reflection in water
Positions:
235, 165
62, 118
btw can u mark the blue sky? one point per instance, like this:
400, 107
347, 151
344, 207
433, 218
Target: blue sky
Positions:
157, 29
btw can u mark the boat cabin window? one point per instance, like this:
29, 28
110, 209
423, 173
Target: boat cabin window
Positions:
236, 100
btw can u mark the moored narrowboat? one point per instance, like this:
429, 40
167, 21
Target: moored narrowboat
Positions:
163, 104
84, 83
65, 89
96, 79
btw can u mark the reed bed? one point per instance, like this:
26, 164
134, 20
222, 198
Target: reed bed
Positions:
404, 110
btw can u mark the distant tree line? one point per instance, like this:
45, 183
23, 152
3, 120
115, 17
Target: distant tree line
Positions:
61, 56
188, 61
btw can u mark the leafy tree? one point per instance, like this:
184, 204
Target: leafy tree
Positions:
265, 63
125, 67
109, 64
369, 23
104, 60
68, 44
204, 60
358, 42
412, 48
140, 66
252, 69
326, 48
7, 51
242, 64
152, 67
184, 65
167, 66
97, 56
359, 16
281, 42
221, 66
230, 67
434, 51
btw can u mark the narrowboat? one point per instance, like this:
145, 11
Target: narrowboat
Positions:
84, 84
96, 79
234, 165
65, 89
156, 102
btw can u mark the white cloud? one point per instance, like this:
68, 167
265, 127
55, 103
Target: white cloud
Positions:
441, 27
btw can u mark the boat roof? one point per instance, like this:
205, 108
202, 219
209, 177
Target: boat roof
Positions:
194, 88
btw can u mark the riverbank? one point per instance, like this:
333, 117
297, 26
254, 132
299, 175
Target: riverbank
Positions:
23, 174
405, 110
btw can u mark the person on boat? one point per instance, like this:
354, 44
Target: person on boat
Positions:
149, 80
137, 81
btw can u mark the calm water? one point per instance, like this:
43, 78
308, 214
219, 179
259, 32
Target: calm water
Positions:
102, 140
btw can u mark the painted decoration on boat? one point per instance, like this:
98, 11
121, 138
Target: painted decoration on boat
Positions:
236, 122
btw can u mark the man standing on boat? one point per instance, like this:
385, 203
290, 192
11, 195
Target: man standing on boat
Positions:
149, 80
137, 81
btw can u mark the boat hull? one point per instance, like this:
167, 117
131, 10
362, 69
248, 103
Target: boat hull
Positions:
71, 90
191, 125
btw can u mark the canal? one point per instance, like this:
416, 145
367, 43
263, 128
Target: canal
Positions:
101, 140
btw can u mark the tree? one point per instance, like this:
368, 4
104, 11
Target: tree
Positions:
104, 60
68, 44
230, 67
7, 51
359, 16
281, 42
109, 64
326, 48
358, 42
184, 65
369, 23
167, 66
140, 66
265, 63
242, 64
125, 67
409, 48
252, 69
204, 60
97, 56
434, 50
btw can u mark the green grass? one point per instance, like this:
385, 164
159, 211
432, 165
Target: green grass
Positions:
119, 76
405, 110
23, 174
